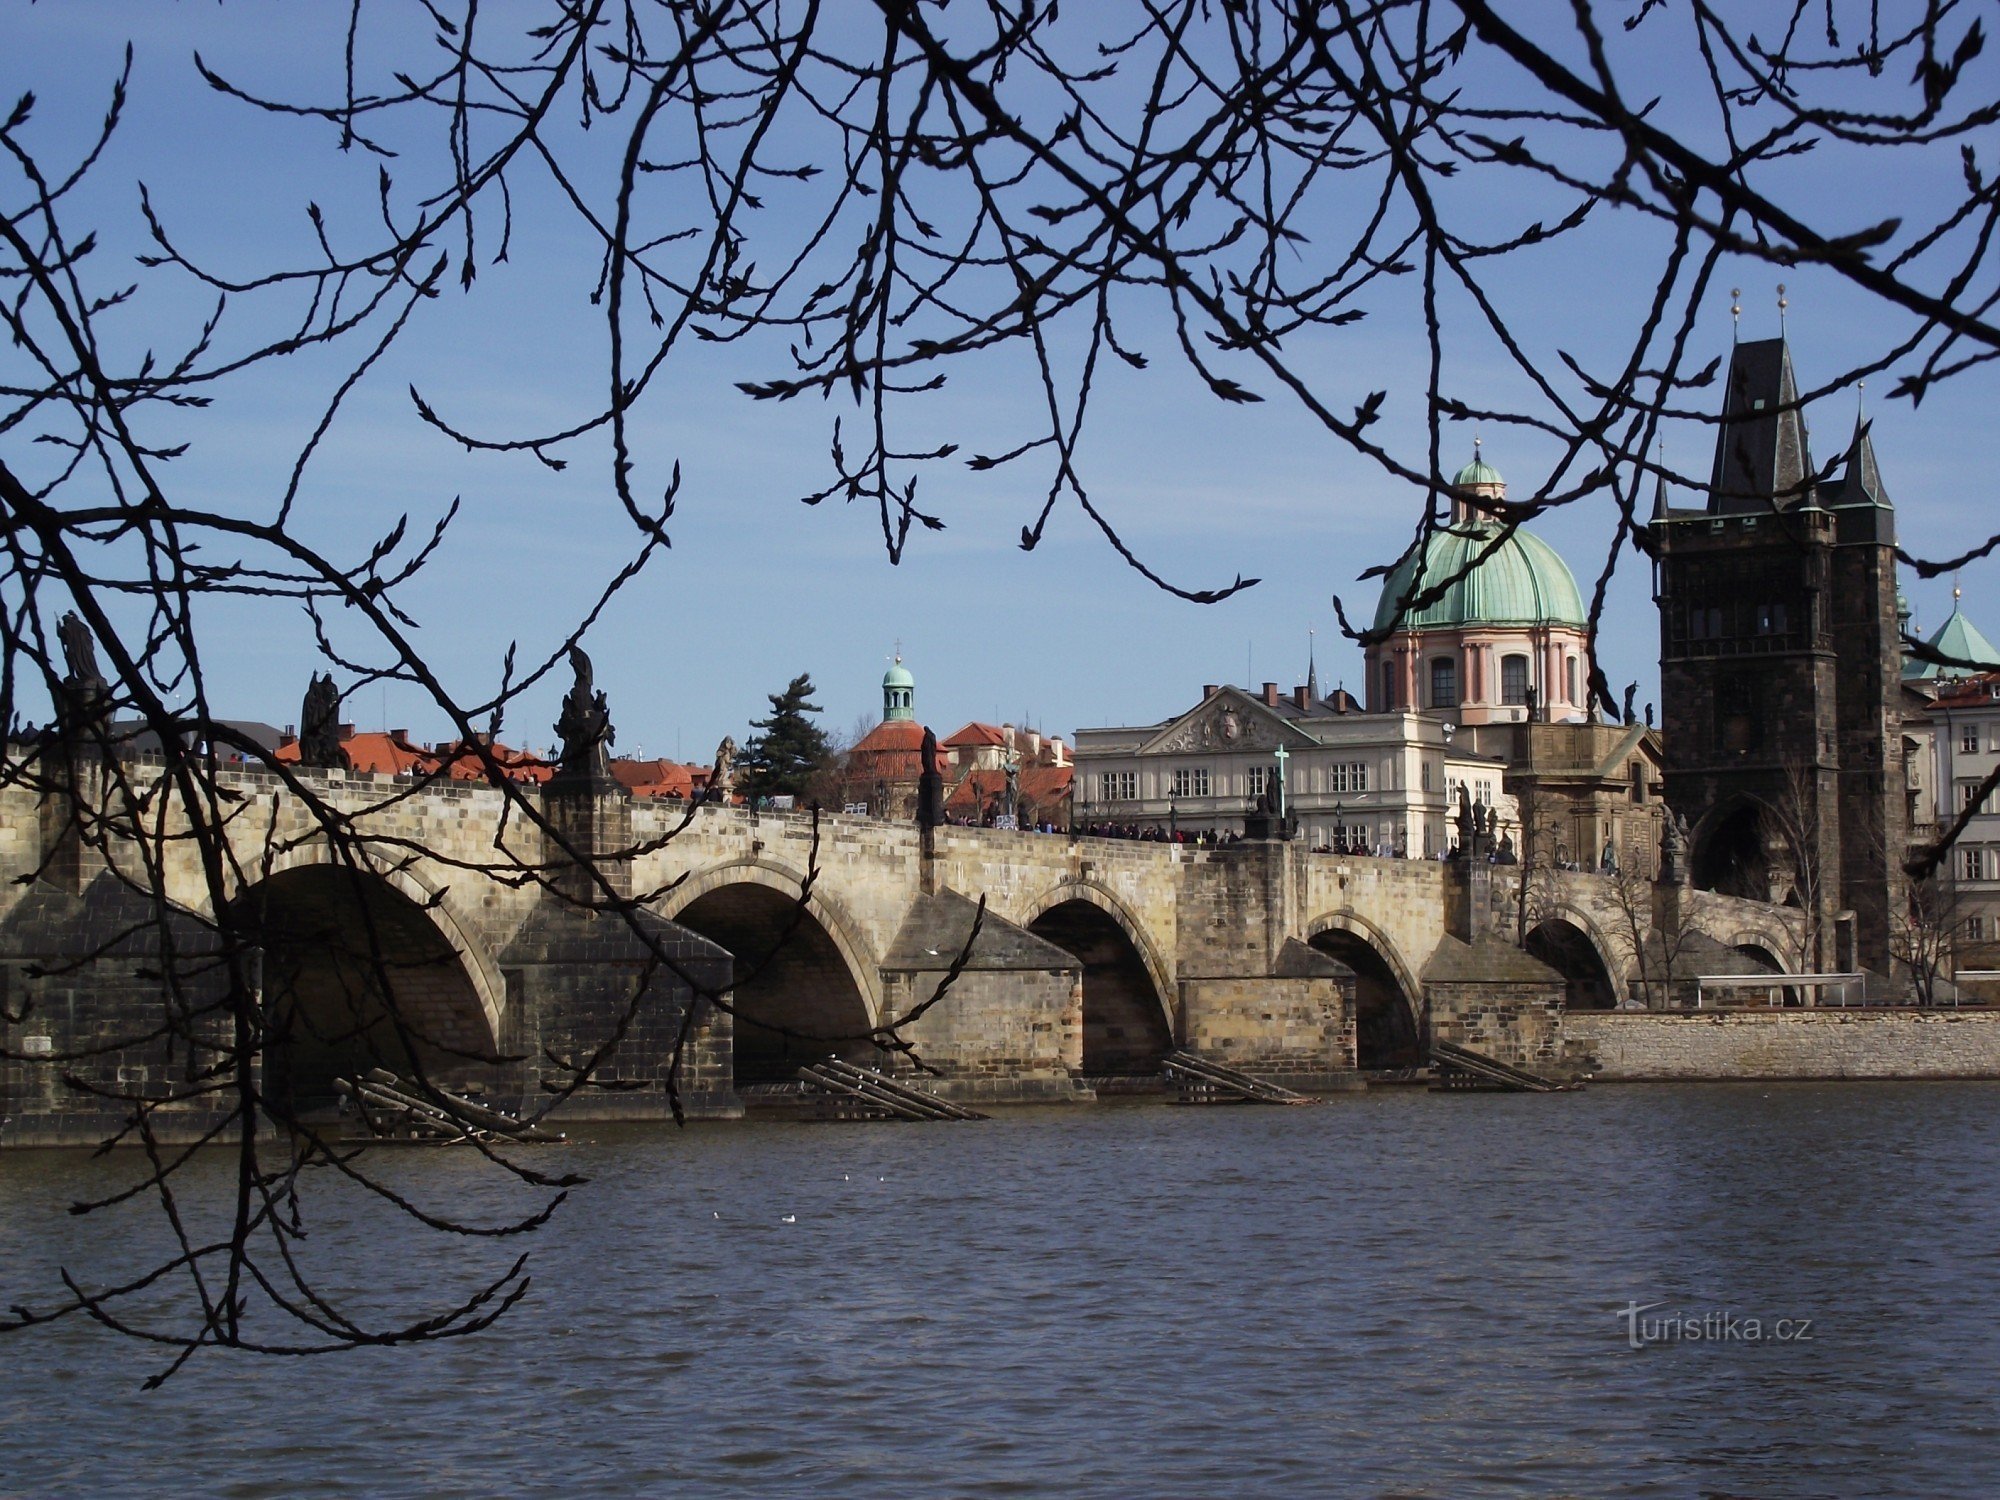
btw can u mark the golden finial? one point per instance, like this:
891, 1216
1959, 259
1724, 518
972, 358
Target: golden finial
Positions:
1735, 311
1782, 305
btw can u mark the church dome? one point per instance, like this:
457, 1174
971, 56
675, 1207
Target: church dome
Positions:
1478, 472
899, 693
1521, 582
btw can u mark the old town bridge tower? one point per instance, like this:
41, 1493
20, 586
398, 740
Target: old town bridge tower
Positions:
1780, 670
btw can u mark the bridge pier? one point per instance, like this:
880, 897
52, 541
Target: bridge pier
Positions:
1251, 994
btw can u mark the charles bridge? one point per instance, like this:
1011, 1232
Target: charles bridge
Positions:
1094, 957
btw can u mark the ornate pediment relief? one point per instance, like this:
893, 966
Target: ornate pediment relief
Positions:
1223, 723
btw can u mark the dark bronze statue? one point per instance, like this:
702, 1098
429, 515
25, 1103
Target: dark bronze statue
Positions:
1631, 692
319, 725
930, 784
585, 726
79, 651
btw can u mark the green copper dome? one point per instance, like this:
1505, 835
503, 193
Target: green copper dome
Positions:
1479, 471
1522, 582
1958, 638
899, 692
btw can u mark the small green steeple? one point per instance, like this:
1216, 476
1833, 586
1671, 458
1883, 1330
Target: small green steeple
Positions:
899, 692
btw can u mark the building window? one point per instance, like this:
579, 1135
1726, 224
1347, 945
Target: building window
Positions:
1347, 776
1513, 679
1119, 786
1975, 929
1972, 864
1444, 682
1770, 619
1260, 778
1427, 776
1191, 781
1388, 686
1574, 696
1968, 740
1967, 794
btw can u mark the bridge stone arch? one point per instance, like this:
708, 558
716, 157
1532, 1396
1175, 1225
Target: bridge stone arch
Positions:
453, 924
839, 925
362, 969
1125, 1033
804, 986
1093, 894
1583, 956
1391, 1024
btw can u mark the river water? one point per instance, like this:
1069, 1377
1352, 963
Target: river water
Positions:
1401, 1293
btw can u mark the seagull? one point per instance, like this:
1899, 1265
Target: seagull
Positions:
789, 1219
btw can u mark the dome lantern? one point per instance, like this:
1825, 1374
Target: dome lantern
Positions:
899, 692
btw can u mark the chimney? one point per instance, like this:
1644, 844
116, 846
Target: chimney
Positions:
1207, 691
1299, 697
1270, 695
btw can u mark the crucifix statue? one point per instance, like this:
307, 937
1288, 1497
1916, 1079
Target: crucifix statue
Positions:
1282, 755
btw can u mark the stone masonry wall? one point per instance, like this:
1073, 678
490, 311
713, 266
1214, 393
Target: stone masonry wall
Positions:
1521, 1024
1629, 1045
1005, 1034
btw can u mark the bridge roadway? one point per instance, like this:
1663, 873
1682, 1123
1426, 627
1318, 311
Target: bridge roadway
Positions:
1095, 956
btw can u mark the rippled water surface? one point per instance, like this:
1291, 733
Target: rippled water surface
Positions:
1397, 1294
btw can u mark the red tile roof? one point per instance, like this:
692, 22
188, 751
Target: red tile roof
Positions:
977, 733
891, 735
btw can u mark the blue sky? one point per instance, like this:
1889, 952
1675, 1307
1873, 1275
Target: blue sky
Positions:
758, 588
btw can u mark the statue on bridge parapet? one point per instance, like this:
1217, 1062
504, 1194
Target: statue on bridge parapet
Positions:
930, 784
84, 698
723, 776
585, 730
1674, 849
319, 725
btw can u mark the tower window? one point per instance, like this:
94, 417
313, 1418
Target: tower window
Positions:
1513, 679
1444, 682
1574, 697
1388, 685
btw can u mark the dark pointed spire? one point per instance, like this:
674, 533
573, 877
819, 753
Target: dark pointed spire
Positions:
1861, 483
1761, 454
1312, 669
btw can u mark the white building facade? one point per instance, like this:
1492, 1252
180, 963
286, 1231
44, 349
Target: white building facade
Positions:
1381, 783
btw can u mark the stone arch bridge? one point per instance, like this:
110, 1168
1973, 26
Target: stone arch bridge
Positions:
1093, 959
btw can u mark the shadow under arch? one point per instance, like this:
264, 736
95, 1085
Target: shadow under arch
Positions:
1731, 851
1128, 1022
1754, 950
1567, 945
801, 990
1391, 1029
360, 973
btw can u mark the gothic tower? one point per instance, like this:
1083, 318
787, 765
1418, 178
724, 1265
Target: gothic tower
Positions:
1780, 667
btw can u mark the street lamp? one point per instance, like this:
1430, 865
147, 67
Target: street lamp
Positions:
1173, 818
1339, 828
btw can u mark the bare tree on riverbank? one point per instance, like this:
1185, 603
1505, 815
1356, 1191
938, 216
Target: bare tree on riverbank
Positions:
867, 199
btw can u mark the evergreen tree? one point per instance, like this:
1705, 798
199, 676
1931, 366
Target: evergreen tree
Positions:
790, 748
